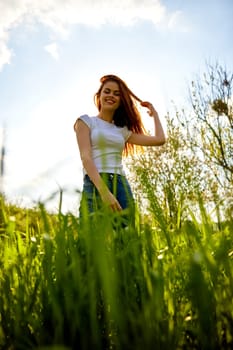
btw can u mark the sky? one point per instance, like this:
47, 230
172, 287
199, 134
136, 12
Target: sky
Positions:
52, 55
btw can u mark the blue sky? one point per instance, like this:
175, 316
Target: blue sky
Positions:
52, 54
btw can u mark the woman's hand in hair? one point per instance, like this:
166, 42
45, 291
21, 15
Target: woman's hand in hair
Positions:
151, 110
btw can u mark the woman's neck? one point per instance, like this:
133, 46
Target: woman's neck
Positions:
106, 115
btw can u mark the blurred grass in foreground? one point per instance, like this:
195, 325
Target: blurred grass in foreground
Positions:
151, 286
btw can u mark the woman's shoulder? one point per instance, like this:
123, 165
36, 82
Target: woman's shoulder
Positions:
85, 117
126, 132
88, 120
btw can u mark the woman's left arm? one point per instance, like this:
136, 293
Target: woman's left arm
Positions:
158, 138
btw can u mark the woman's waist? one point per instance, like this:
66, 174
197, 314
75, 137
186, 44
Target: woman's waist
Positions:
109, 168
108, 175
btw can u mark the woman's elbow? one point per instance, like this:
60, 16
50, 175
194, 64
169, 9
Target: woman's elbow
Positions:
163, 141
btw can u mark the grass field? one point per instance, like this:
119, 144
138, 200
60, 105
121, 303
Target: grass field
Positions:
150, 286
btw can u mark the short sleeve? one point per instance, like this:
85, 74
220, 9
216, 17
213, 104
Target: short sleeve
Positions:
126, 133
86, 119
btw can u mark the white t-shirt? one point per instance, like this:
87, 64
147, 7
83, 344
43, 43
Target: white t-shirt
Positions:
108, 142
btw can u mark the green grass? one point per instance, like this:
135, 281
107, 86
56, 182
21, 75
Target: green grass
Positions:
152, 286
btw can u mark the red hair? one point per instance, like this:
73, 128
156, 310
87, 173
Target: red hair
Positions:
127, 113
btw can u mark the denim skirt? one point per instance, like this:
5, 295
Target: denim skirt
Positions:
117, 184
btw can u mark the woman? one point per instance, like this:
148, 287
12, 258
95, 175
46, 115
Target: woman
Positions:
102, 140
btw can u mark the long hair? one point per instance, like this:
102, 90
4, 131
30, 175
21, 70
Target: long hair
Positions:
127, 113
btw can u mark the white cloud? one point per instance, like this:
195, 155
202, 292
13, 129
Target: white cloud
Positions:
52, 49
5, 54
59, 15
176, 21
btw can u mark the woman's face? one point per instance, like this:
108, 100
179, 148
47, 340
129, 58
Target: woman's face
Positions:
110, 96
